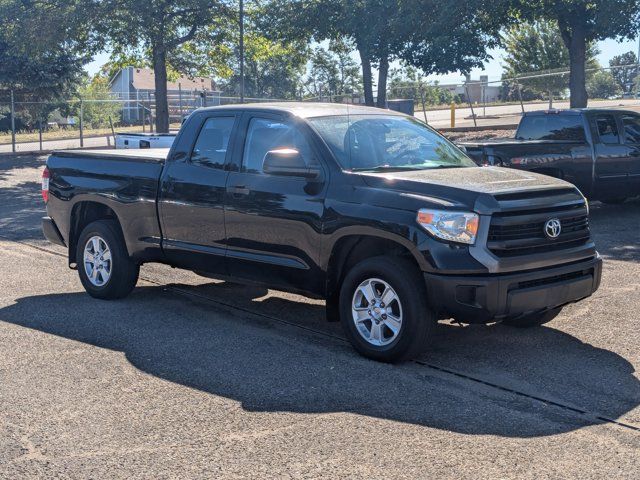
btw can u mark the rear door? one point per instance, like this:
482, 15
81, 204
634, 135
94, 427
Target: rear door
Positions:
612, 161
192, 195
274, 222
631, 131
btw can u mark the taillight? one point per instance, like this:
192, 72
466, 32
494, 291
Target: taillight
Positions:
45, 184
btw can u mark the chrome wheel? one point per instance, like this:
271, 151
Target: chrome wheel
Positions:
97, 261
377, 312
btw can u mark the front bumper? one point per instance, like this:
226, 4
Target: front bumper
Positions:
482, 299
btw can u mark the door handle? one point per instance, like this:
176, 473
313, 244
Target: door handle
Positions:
238, 190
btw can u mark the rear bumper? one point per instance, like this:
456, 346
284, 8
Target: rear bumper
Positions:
51, 231
482, 299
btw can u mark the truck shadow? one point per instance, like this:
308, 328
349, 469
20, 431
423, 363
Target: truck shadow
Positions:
272, 367
614, 229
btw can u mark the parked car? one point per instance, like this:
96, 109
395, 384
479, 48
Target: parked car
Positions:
369, 209
597, 150
144, 140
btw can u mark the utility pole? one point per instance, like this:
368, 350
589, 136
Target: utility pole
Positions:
241, 51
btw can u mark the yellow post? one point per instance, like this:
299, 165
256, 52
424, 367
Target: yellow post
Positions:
453, 115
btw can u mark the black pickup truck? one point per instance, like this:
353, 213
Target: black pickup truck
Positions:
597, 150
369, 209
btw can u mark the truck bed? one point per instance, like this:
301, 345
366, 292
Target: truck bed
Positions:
157, 155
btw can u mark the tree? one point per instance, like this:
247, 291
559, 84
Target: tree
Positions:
272, 69
97, 108
537, 48
437, 36
582, 22
624, 76
332, 72
602, 84
156, 28
41, 57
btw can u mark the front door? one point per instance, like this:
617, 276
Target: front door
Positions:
274, 223
192, 195
631, 130
611, 168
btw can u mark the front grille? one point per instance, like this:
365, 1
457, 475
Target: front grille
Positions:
522, 232
556, 279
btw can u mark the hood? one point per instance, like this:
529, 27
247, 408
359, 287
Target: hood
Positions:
490, 180
457, 187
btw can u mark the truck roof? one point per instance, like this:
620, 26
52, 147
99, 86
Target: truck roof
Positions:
307, 109
573, 111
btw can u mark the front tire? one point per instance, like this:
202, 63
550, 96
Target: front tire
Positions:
533, 320
105, 268
384, 311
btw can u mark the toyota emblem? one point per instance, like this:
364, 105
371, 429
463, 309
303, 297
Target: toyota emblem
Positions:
552, 228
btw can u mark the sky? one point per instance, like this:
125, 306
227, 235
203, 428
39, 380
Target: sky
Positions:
493, 68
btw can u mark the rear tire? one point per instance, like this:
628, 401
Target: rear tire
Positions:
392, 332
104, 266
533, 320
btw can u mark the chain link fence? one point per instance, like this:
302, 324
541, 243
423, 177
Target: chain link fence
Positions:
28, 124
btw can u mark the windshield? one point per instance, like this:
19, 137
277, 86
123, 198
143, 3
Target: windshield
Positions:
386, 142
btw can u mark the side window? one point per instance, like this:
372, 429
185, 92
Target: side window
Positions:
607, 129
631, 129
264, 134
210, 149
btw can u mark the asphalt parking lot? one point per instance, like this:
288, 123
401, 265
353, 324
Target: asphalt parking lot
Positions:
193, 378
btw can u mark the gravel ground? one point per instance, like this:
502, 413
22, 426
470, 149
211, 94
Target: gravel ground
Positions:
479, 135
192, 378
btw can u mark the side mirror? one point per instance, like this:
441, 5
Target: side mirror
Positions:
288, 162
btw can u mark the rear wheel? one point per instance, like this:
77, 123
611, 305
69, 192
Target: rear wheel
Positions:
104, 266
533, 320
383, 309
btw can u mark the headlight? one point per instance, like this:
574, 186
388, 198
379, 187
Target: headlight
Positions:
459, 227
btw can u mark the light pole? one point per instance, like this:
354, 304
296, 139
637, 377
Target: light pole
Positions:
241, 51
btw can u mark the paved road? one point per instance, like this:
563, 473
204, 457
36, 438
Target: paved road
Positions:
508, 114
190, 378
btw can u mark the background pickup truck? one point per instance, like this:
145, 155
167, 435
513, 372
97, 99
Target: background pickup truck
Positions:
369, 209
596, 150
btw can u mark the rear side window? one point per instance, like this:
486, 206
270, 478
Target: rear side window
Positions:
631, 128
552, 127
607, 129
210, 149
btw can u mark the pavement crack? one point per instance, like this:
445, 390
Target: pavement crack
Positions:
444, 370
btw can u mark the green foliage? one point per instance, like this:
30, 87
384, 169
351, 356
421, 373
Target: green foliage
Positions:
537, 48
581, 22
407, 83
624, 77
97, 109
333, 72
272, 69
44, 45
602, 84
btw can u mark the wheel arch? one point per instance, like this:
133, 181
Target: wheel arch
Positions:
82, 214
352, 247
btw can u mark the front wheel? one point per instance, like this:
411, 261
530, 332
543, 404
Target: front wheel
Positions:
384, 311
533, 320
105, 268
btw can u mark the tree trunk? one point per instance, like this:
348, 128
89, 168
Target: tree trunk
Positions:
160, 74
367, 81
383, 72
575, 40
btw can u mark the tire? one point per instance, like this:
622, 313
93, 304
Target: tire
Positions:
533, 320
417, 321
115, 277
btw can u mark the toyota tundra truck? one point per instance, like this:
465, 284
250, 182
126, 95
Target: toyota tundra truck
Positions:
369, 209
